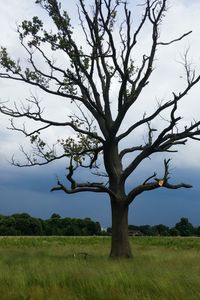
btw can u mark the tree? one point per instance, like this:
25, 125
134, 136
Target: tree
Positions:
184, 227
86, 79
24, 224
161, 229
197, 231
174, 232
55, 216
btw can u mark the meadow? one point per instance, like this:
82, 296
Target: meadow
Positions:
73, 268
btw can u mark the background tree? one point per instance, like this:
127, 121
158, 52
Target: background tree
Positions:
23, 224
86, 78
184, 227
161, 230
174, 232
197, 231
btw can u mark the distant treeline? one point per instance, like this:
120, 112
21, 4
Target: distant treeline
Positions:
182, 228
24, 224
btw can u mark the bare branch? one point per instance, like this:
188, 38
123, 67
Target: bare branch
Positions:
36, 116
86, 188
157, 183
31, 159
175, 40
150, 177
24, 131
81, 187
130, 150
161, 108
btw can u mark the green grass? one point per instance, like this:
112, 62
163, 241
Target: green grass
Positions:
57, 268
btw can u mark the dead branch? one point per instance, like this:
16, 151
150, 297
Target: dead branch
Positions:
175, 40
157, 183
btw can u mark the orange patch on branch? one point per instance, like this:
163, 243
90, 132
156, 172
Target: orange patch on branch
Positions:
161, 182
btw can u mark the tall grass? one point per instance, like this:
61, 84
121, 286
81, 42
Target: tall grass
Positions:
78, 268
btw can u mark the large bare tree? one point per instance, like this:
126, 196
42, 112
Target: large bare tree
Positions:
85, 79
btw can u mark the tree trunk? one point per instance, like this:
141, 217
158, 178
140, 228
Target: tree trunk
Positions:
120, 247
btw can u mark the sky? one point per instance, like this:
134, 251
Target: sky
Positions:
28, 189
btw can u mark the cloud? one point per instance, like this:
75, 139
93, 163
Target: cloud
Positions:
28, 191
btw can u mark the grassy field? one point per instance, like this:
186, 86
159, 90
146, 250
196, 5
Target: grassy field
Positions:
75, 268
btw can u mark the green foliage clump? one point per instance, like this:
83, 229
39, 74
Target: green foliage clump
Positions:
24, 224
182, 228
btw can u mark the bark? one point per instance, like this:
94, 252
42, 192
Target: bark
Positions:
120, 247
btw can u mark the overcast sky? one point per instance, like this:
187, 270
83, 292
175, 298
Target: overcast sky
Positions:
27, 190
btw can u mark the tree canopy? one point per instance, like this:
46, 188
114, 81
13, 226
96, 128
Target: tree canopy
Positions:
24, 224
